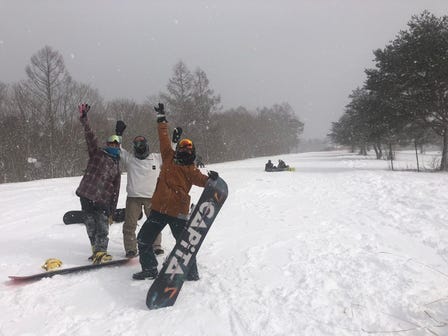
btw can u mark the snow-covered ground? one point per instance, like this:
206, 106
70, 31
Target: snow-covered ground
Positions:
341, 246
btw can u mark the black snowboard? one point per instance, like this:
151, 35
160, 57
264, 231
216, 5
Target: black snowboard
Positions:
77, 216
61, 271
276, 169
167, 285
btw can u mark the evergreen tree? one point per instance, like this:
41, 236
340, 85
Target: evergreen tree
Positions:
412, 74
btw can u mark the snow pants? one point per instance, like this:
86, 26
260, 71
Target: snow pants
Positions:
97, 225
133, 209
153, 225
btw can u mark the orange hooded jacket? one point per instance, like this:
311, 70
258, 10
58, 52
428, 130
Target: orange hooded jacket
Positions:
175, 181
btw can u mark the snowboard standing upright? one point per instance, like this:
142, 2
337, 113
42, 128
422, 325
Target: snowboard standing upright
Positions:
167, 285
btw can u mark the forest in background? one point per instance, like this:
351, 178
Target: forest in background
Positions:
42, 136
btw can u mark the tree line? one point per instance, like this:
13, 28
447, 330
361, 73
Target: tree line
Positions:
404, 99
42, 137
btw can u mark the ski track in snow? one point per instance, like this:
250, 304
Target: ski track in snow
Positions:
342, 246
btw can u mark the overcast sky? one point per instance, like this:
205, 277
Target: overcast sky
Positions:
309, 53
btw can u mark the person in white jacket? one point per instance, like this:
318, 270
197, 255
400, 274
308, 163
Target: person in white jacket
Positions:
142, 169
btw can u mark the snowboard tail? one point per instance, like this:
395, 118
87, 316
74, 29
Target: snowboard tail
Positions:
78, 216
68, 270
166, 287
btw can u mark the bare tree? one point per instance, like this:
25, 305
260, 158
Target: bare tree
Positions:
205, 102
48, 82
192, 101
71, 148
179, 98
7, 126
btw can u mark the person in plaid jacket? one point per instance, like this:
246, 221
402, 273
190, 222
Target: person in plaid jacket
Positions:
99, 188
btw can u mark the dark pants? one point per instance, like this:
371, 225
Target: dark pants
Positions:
97, 225
148, 234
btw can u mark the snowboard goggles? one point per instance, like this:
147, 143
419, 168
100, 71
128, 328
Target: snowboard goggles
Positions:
140, 141
139, 138
114, 138
185, 144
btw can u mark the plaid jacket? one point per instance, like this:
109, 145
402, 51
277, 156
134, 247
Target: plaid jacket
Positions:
101, 180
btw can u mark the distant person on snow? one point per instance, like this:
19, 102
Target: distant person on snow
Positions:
269, 166
142, 169
99, 188
170, 201
282, 164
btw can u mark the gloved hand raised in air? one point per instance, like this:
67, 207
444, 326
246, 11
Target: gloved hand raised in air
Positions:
213, 175
83, 109
160, 113
177, 134
120, 126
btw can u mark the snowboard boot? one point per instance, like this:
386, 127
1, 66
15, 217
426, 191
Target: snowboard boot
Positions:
92, 255
101, 257
145, 274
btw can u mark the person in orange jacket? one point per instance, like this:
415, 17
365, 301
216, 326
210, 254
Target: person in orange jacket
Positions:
171, 200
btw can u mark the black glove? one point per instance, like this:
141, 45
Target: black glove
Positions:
83, 109
120, 126
176, 134
160, 113
213, 175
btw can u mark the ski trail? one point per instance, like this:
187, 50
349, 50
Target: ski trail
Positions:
340, 247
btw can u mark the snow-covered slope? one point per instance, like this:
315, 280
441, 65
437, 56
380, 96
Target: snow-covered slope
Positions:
341, 246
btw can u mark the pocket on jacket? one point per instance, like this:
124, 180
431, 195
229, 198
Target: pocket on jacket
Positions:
181, 198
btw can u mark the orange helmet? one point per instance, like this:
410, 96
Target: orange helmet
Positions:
185, 152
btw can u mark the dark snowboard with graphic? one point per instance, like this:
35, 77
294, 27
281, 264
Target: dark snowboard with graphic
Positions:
68, 270
167, 285
78, 216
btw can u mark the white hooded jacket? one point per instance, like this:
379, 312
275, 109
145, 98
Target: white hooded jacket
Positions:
142, 174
